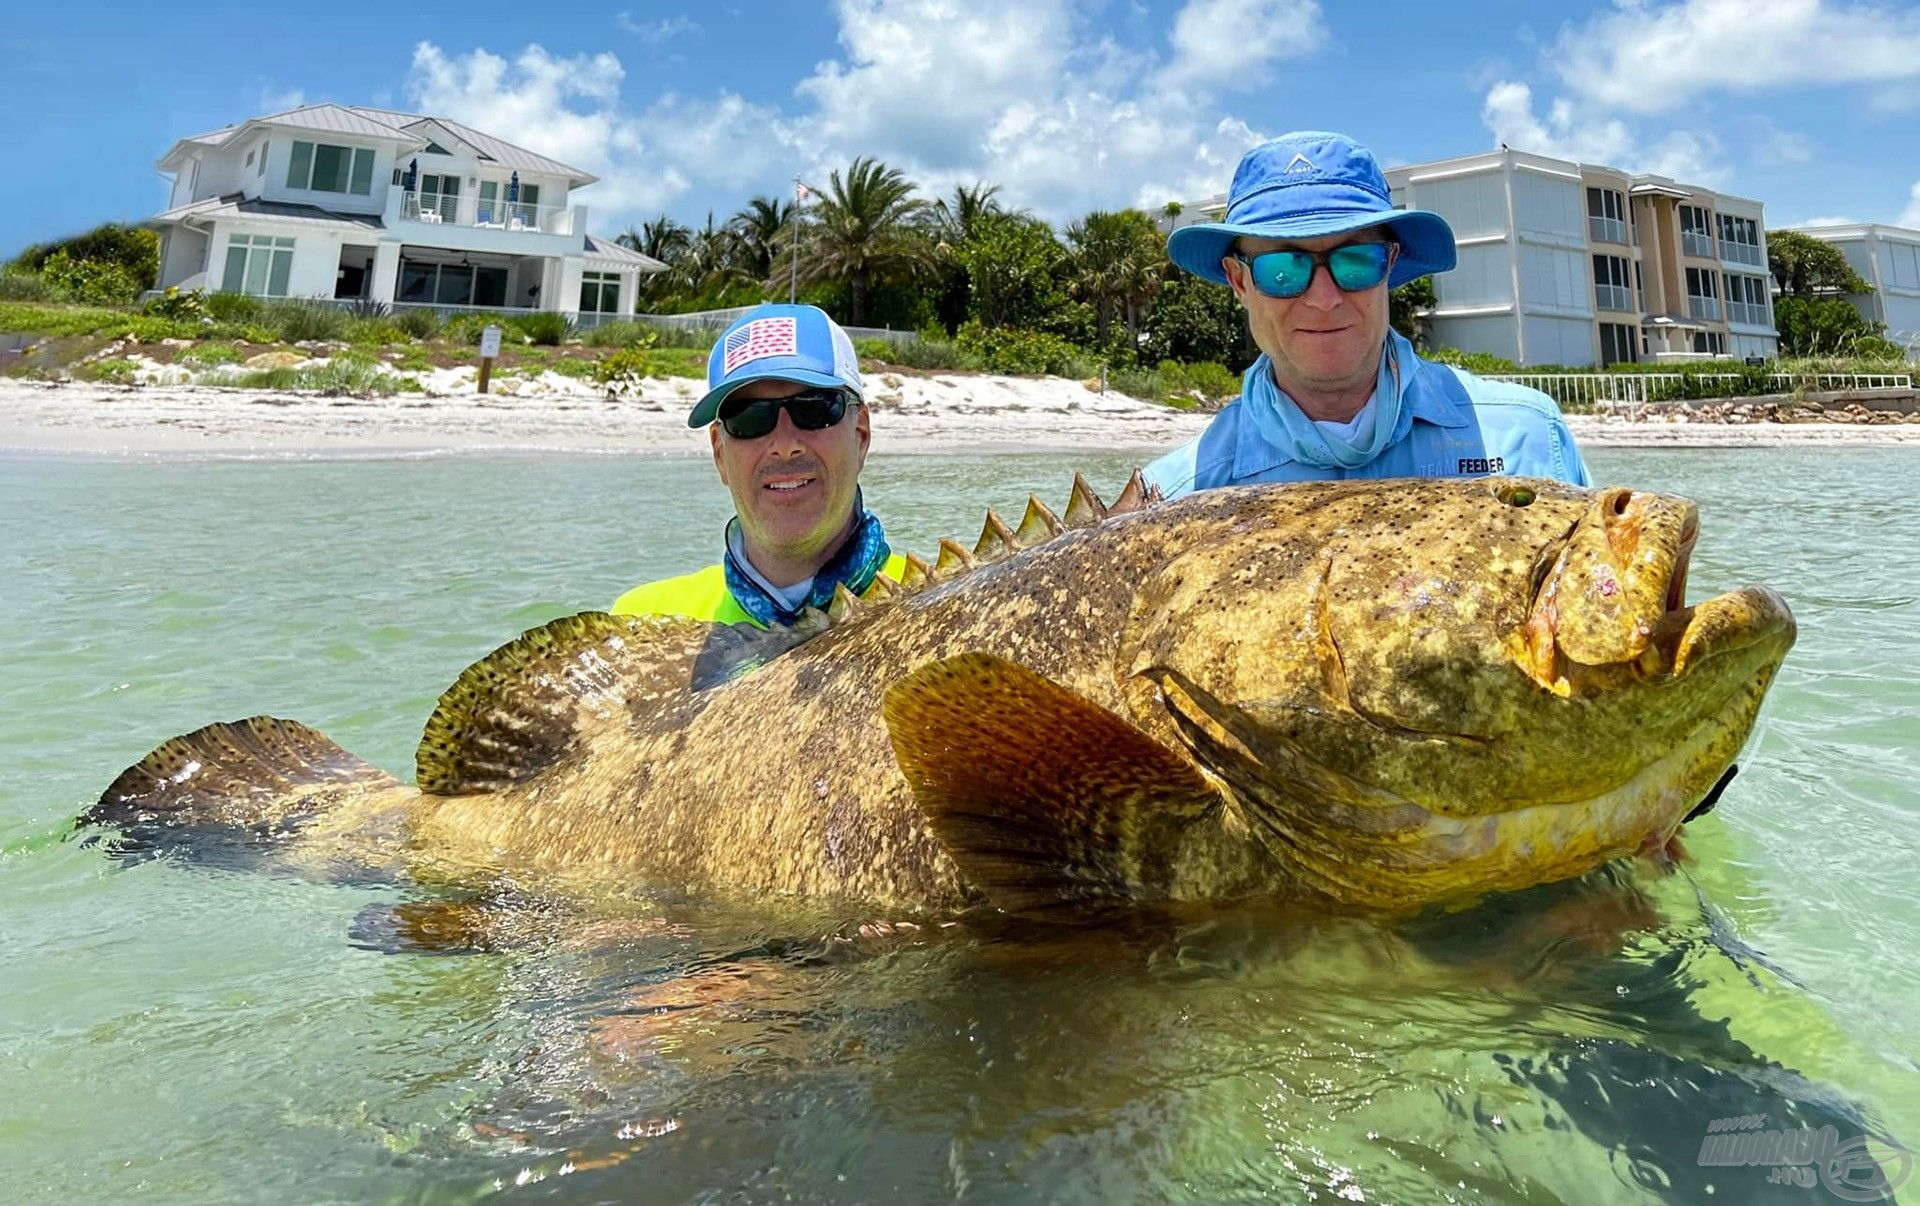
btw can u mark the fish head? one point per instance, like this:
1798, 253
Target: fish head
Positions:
1422, 693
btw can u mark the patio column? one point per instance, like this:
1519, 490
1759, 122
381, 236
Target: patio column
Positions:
567, 298
386, 272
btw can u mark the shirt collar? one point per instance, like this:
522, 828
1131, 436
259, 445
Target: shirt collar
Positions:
1426, 400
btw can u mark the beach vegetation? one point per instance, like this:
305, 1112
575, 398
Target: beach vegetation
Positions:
231, 307
110, 370
16, 285
110, 264
296, 321
212, 354
545, 328
864, 228
374, 332
622, 335
191, 305
418, 323
623, 370
338, 376
89, 282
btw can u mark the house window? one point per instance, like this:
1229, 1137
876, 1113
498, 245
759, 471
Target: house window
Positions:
434, 148
1703, 293
260, 169
599, 293
1740, 240
1747, 299
1696, 231
258, 265
1712, 342
249, 158
522, 214
1606, 216
437, 201
324, 168
1618, 343
1610, 290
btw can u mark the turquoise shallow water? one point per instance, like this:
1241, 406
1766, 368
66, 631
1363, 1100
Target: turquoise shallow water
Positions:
179, 1032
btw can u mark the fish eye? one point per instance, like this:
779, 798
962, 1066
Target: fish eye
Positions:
1518, 496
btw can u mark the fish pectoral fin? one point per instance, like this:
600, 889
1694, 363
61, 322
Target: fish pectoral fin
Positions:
237, 785
1043, 797
522, 707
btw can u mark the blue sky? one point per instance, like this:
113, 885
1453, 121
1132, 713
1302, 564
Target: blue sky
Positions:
1811, 106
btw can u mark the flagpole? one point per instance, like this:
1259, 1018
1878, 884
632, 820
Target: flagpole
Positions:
793, 279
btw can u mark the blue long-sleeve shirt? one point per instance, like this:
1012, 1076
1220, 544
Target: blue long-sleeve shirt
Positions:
1462, 426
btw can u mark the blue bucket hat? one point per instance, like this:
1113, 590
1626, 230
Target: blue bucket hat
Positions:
1307, 185
778, 343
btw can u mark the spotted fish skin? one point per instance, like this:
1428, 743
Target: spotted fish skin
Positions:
1376, 695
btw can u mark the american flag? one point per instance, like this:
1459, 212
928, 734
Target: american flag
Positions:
761, 337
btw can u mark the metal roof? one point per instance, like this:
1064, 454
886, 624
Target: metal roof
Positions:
499, 150
334, 119
606, 249
234, 205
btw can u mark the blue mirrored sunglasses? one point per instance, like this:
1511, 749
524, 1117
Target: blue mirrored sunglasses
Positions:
1353, 267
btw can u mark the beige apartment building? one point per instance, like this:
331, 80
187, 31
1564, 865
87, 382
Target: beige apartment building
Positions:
1581, 264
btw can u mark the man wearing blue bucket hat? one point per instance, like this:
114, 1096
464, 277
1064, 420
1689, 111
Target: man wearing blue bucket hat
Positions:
787, 416
1310, 245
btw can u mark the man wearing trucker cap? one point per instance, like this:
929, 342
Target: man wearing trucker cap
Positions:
1310, 245
787, 413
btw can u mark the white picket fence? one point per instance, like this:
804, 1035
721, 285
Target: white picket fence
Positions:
1605, 391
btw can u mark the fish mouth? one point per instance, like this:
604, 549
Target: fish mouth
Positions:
1610, 602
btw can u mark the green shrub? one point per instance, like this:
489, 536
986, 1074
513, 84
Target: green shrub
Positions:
304, 321
367, 307
1473, 362
133, 249
622, 335
374, 332
569, 366
872, 347
231, 307
337, 376
1012, 350
418, 324
933, 355
26, 287
175, 304
621, 371
90, 282
466, 328
115, 370
547, 328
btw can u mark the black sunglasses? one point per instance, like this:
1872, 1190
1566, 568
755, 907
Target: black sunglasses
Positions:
811, 409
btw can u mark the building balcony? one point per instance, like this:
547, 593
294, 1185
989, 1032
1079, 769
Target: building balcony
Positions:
1703, 307
1606, 230
479, 213
1741, 253
1692, 242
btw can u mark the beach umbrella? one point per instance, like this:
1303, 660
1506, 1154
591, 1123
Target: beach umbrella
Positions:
411, 180
513, 189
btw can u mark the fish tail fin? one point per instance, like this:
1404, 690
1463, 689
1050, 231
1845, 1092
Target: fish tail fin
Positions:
232, 786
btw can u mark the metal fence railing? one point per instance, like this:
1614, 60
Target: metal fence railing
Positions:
1607, 391
716, 320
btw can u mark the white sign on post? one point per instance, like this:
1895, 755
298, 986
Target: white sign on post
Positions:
490, 341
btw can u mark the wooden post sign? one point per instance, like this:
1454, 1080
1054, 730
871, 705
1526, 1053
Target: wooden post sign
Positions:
489, 348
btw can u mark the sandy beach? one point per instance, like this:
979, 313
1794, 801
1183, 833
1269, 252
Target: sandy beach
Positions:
553, 414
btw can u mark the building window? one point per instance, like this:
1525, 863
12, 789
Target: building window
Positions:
599, 293
1610, 290
1711, 342
522, 214
1606, 216
1740, 240
1696, 232
324, 168
1703, 293
258, 264
261, 168
1747, 299
1619, 343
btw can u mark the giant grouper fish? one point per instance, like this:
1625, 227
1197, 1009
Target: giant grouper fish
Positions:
1373, 696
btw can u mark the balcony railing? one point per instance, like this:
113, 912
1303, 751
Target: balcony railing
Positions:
1606, 230
1613, 297
1740, 253
484, 214
1747, 313
1694, 242
1703, 307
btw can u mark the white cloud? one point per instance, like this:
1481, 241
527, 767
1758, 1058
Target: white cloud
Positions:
664, 29
1777, 147
1033, 95
1569, 132
1648, 58
275, 100
1911, 217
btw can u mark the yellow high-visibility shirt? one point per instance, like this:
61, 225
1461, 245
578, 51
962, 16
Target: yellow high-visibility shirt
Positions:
703, 595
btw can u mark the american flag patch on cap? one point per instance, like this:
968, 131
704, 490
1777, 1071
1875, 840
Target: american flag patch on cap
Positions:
761, 337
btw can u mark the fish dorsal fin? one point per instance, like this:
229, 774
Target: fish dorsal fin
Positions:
1039, 523
1084, 508
1136, 496
997, 541
917, 575
953, 560
1043, 797
516, 711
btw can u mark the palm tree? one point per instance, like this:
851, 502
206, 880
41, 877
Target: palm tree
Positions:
712, 259
863, 229
1115, 263
957, 218
758, 227
663, 238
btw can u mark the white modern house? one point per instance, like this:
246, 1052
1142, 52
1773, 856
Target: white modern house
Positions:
349, 203
1888, 258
